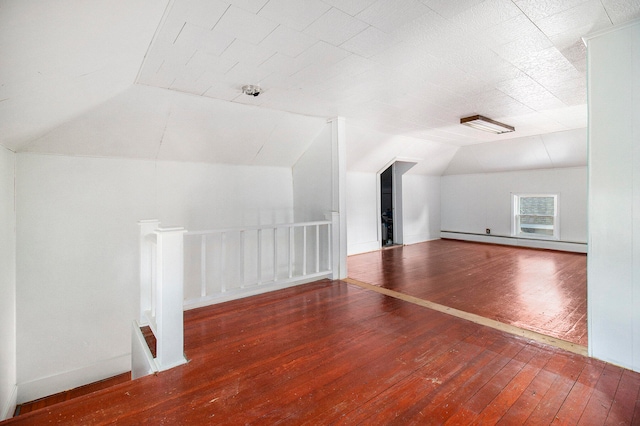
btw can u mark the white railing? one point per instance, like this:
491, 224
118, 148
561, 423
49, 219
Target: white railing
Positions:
180, 269
224, 264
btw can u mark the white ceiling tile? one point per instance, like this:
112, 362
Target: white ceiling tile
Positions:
245, 25
248, 53
281, 64
478, 60
335, 27
252, 6
321, 53
591, 14
202, 14
486, 14
350, 66
171, 27
194, 37
162, 69
427, 29
388, 16
369, 42
225, 88
448, 8
546, 66
287, 41
244, 73
505, 32
522, 47
352, 7
540, 9
572, 96
621, 11
296, 14
210, 63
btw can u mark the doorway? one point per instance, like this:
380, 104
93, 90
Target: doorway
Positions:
386, 207
390, 208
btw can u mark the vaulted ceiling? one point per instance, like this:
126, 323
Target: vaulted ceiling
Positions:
152, 79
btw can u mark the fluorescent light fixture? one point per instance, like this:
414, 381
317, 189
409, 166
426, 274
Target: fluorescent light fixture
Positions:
488, 125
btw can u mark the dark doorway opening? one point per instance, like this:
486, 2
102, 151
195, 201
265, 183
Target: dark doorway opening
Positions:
386, 206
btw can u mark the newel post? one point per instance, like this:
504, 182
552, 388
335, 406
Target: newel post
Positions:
169, 298
147, 267
334, 243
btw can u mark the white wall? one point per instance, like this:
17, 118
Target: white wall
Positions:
77, 251
312, 185
471, 203
614, 196
362, 213
421, 208
7, 284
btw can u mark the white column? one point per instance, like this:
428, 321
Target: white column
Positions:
339, 188
147, 241
169, 294
613, 262
334, 243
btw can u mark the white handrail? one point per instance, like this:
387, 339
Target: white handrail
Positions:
257, 227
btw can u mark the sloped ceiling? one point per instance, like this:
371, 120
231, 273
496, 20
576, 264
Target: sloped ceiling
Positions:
151, 123
61, 58
551, 150
162, 79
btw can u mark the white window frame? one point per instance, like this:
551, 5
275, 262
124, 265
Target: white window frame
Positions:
515, 217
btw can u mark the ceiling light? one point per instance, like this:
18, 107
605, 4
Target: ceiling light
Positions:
488, 125
251, 89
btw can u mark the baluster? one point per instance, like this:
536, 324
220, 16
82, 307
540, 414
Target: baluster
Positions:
317, 248
223, 269
147, 266
259, 256
203, 265
328, 247
290, 251
154, 279
304, 250
275, 254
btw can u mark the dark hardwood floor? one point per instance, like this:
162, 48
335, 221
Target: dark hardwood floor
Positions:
539, 290
333, 353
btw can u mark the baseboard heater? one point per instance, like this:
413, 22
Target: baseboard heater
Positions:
571, 246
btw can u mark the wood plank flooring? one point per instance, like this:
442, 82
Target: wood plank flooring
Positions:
539, 290
333, 353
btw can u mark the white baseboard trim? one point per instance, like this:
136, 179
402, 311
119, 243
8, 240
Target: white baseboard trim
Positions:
10, 406
519, 242
365, 247
420, 238
45, 386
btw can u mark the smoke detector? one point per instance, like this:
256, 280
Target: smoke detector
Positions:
251, 89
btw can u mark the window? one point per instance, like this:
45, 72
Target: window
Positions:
535, 216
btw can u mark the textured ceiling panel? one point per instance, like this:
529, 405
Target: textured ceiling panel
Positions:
413, 67
296, 14
244, 25
387, 16
407, 68
335, 27
352, 7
